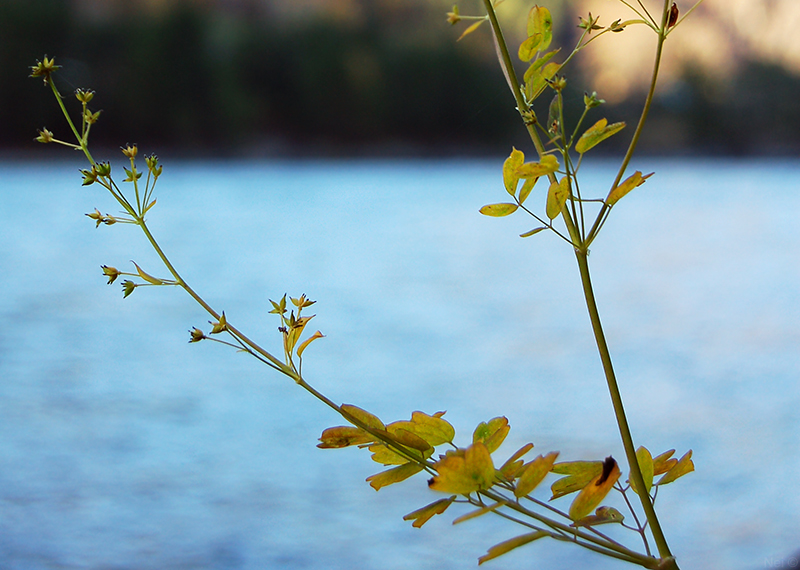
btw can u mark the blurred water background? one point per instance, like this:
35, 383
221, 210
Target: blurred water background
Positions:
122, 446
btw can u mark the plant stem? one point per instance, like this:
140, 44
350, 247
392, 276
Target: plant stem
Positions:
581, 248
619, 409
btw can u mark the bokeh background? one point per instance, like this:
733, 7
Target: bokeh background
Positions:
123, 447
385, 77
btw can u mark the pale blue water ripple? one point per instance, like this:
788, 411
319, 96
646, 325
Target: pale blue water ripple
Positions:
121, 446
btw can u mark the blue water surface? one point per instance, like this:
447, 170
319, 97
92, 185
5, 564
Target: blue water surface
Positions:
124, 447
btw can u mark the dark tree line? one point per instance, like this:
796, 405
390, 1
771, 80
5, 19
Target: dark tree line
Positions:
209, 82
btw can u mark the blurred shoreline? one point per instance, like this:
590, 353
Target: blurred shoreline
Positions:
377, 78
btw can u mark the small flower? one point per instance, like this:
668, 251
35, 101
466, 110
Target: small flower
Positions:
219, 326
590, 24
89, 176
128, 287
133, 174
130, 151
102, 219
91, 118
102, 169
44, 69
592, 101
196, 335
153, 166
616, 26
111, 272
45, 136
84, 95
453, 17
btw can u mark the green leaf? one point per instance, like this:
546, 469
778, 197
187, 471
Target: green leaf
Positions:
540, 23
538, 64
603, 515
591, 495
511, 544
633, 181
344, 436
534, 473
556, 197
530, 47
510, 176
685, 465
393, 475
423, 515
471, 29
464, 471
596, 134
537, 82
499, 210
532, 232
645, 461
492, 433
363, 416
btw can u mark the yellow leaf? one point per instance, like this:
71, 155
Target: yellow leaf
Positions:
511, 544
464, 471
663, 463
384, 455
344, 436
580, 473
511, 467
591, 495
540, 23
525, 191
423, 515
147, 277
393, 475
547, 165
498, 210
685, 465
308, 341
492, 433
534, 231
471, 29
480, 512
537, 81
645, 461
432, 429
362, 416
534, 473
634, 180
556, 197
510, 165
538, 64
596, 134
406, 437
530, 47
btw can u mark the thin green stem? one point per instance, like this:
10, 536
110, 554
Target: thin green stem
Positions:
640, 126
